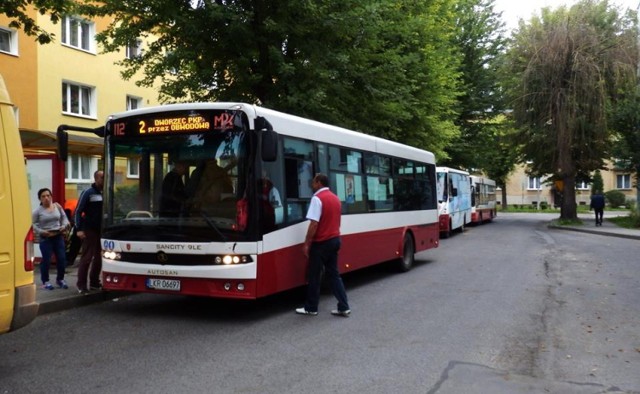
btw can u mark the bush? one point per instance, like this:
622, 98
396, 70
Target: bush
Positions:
635, 218
615, 198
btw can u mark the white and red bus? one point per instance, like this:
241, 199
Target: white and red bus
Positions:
483, 199
454, 200
239, 230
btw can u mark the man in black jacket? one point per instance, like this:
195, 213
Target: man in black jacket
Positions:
597, 204
88, 220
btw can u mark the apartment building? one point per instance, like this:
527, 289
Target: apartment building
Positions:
525, 190
69, 81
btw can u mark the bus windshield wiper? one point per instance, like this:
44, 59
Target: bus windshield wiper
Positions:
212, 225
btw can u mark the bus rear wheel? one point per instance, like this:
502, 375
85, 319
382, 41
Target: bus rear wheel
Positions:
408, 254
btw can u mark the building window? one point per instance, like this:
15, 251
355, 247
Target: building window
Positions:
8, 41
78, 33
80, 169
623, 181
133, 168
133, 103
583, 185
78, 99
534, 183
134, 49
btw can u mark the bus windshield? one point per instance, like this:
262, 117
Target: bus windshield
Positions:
183, 187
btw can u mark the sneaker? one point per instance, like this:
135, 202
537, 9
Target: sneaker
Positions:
83, 291
48, 286
345, 313
302, 311
96, 287
62, 284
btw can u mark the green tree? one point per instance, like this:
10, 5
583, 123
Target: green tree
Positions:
564, 70
381, 67
481, 42
500, 155
626, 122
597, 184
19, 12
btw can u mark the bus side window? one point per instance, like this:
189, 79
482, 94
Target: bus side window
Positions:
298, 172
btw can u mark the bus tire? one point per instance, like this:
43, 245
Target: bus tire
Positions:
405, 263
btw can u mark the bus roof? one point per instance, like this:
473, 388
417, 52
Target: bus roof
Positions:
296, 126
482, 180
454, 170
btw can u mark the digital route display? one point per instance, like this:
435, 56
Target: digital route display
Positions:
173, 123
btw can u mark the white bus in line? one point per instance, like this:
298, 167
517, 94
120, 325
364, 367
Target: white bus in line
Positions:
454, 200
483, 199
239, 229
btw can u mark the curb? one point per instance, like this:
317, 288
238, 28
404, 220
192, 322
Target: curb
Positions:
74, 301
597, 232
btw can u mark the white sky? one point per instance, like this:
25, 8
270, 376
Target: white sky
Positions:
512, 10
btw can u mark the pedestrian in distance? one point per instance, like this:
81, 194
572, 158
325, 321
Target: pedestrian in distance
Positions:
597, 205
321, 247
50, 224
88, 220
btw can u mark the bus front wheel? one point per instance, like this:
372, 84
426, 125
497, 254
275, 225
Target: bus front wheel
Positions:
408, 254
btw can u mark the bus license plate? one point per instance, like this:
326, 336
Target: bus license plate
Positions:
163, 284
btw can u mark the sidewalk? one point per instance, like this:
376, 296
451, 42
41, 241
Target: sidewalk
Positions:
607, 228
60, 299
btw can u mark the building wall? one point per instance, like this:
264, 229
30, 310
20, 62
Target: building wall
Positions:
34, 78
19, 73
519, 192
59, 62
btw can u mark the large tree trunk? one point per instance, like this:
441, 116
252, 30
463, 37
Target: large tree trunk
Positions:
568, 209
504, 197
638, 188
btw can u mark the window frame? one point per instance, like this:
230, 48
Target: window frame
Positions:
131, 99
67, 100
536, 180
130, 173
133, 49
626, 181
12, 41
83, 25
583, 185
75, 160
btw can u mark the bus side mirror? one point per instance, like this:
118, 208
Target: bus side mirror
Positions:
269, 139
63, 144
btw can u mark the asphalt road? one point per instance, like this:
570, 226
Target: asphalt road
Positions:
507, 307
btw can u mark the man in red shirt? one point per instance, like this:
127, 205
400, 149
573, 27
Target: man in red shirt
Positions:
321, 246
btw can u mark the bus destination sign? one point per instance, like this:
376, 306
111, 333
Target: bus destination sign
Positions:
173, 123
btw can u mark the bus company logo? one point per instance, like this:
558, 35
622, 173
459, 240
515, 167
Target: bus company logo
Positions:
162, 272
223, 121
162, 257
128, 246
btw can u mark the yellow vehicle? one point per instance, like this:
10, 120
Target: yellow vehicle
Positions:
18, 306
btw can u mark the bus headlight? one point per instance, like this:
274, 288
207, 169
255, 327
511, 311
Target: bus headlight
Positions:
229, 259
111, 255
